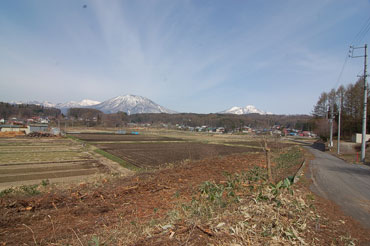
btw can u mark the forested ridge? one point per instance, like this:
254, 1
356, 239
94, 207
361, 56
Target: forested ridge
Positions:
93, 117
24, 111
350, 100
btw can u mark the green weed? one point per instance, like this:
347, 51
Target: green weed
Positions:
45, 182
7, 192
95, 241
289, 159
30, 189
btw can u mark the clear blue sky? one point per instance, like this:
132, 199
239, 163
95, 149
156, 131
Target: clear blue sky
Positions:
189, 56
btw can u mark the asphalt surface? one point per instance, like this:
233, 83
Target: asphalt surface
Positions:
348, 185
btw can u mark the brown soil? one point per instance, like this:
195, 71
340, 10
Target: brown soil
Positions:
52, 216
149, 155
11, 134
88, 137
39, 171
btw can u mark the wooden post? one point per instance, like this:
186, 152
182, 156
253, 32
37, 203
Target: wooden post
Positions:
268, 163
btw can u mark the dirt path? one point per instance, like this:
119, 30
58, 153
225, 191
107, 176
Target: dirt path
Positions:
348, 185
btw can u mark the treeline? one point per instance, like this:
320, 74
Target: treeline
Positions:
93, 117
84, 113
24, 111
229, 121
349, 100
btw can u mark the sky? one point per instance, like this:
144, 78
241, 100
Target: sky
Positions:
189, 56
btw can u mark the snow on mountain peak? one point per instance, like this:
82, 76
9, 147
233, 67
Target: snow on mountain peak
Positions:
131, 104
88, 102
249, 109
73, 104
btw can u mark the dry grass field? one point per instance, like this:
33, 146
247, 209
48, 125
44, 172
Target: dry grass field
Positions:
25, 161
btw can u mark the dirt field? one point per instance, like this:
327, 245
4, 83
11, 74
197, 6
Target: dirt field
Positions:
25, 161
153, 151
98, 137
149, 155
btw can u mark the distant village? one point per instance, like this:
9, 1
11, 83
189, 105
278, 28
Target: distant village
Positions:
43, 124
34, 124
275, 130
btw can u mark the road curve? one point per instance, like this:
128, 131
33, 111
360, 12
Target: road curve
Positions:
348, 185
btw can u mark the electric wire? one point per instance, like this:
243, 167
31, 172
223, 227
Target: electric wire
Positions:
364, 29
341, 72
364, 34
357, 39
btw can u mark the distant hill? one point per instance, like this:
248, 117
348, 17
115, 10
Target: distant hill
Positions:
249, 109
131, 104
62, 106
72, 104
25, 111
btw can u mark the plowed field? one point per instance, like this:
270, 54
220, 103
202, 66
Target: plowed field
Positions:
97, 137
151, 151
25, 161
149, 155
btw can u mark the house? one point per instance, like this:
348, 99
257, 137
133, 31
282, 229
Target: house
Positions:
220, 130
357, 138
15, 128
39, 127
55, 131
44, 121
246, 129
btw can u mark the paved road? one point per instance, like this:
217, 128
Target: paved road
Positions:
348, 185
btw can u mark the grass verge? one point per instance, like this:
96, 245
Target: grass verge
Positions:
118, 160
243, 210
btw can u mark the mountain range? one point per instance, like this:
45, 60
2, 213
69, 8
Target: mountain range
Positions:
249, 109
132, 104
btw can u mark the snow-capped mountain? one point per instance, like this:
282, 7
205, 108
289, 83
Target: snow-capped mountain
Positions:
44, 103
131, 104
249, 109
72, 104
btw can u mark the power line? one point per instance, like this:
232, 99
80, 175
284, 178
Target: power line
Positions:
364, 34
341, 71
361, 34
357, 39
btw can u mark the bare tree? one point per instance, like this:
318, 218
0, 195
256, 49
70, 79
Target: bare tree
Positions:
267, 150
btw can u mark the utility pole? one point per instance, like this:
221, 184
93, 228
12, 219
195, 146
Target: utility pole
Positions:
339, 113
363, 144
331, 123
